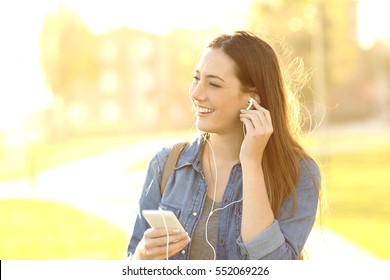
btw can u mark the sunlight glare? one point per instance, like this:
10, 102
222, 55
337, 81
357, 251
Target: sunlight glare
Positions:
161, 17
373, 21
22, 85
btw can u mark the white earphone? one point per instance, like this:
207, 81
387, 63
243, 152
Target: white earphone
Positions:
250, 105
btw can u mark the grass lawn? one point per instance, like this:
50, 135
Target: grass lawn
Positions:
42, 230
358, 193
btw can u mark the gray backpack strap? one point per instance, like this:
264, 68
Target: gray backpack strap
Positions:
173, 157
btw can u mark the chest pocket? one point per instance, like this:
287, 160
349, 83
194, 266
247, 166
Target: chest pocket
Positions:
175, 210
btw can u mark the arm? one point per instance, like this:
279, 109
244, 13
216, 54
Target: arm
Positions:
286, 236
257, 213
261, 233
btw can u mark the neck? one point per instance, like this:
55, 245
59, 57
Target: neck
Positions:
226, 147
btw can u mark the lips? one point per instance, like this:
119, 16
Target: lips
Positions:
204, 110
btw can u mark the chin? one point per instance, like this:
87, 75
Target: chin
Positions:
204, 127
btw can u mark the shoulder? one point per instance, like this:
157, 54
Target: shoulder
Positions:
309, 174
308, 166
189, 156
190, 148
162, 154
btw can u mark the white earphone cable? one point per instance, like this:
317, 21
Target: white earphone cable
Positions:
214, 195
167, 232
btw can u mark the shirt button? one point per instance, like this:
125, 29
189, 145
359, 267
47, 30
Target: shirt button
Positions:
183, 252
221, 242
195, 214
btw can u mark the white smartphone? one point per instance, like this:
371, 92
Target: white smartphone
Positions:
155, 219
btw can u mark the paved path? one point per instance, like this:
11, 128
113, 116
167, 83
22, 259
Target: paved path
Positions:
325, 244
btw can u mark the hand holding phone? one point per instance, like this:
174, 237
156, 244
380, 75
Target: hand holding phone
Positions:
165, 238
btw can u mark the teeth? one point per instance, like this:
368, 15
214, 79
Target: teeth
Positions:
205, 110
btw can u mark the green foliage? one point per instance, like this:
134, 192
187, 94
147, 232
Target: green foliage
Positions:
358, 193
42, 230
67, 52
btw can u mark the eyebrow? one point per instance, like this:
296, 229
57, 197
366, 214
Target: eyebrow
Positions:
211, 76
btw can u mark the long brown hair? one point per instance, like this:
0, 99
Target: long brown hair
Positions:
257, 67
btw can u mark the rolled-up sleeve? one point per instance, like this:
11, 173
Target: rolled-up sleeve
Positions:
285, 238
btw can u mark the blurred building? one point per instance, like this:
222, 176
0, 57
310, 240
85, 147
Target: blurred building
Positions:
122, 81
135, 88
124, 95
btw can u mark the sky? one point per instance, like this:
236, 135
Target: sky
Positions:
373, 21
162, 16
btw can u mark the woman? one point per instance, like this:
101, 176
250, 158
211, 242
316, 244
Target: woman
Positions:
246, 169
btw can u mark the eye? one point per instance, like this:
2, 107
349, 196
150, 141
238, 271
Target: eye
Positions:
196, 78
214, 85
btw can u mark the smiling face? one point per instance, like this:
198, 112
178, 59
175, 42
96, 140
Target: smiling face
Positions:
216, 94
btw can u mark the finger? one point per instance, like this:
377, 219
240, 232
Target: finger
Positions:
266, 113
178, 247
248, 124
162, 241
256, 105
263, 121
173, 248
159, 232
258, 121
263, 116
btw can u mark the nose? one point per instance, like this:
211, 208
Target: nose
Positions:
196, 91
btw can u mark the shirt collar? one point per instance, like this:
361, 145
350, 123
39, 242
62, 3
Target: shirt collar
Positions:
192, 154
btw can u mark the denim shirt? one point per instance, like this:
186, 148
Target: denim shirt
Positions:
185, 195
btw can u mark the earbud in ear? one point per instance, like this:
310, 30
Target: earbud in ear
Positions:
250, 104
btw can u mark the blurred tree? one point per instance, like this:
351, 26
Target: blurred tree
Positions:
68, 60
290, 26
379, 64
289, 21
324, 34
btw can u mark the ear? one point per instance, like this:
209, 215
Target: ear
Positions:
255, 95
257, 98
251, 93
